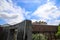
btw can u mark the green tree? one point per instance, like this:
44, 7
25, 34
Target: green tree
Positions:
58, 33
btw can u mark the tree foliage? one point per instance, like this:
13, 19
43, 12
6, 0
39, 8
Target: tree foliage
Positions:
58, 33
38, 37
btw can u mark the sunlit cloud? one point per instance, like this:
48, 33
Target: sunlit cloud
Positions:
48, 12
15, 11
11, 13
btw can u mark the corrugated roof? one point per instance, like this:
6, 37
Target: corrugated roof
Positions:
43, 28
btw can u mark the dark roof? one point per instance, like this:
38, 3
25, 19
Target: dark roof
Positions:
43, 28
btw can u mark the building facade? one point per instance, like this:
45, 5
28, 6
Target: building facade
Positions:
47, 30
24, 30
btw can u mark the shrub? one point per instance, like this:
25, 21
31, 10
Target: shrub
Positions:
38, 37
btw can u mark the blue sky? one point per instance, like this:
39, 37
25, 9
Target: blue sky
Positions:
15, 11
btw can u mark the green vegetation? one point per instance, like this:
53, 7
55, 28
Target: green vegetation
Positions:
58, 33
38, 37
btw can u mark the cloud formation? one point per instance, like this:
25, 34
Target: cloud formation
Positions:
11, 13
48, 12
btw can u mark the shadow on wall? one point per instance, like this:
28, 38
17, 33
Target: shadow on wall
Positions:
3, 35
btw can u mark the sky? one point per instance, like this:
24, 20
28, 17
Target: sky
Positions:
15, 11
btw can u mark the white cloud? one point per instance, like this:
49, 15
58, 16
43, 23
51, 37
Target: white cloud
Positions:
11, 13
48, 12
54, 22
